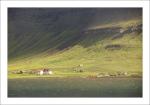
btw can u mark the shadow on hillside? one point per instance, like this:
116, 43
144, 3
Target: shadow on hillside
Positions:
33, 30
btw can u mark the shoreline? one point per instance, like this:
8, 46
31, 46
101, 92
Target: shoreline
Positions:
72, 77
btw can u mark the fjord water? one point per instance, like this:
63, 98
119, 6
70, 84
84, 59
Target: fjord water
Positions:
75, 87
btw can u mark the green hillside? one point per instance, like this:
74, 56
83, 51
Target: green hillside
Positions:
102, 40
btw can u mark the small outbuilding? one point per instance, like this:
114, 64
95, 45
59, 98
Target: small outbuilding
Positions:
45, 72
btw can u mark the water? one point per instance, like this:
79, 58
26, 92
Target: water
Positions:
75, 87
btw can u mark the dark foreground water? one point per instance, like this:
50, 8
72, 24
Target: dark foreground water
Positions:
75, 87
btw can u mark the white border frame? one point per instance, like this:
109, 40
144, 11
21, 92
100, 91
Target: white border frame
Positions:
142, 101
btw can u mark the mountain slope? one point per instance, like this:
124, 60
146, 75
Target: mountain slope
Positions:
103, 40
37, 30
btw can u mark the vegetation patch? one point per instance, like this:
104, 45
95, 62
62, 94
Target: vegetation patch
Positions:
113, 47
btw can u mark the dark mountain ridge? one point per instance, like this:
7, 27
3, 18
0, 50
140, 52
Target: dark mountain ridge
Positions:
37, 30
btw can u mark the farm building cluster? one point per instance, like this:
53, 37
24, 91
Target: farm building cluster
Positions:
78, 69
116, 74
38, 72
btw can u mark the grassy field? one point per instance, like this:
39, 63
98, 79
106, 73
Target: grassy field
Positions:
75, 87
